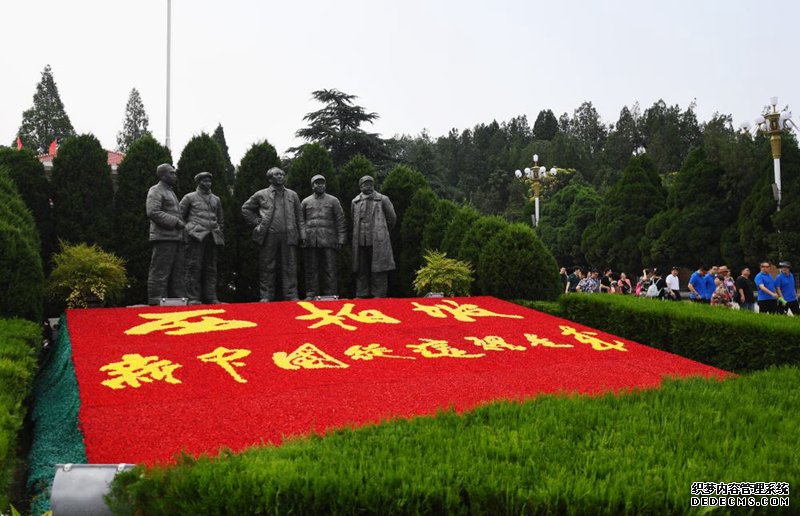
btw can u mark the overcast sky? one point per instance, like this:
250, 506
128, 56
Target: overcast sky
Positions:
252, 65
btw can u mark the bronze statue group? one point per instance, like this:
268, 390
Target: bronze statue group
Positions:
185, 235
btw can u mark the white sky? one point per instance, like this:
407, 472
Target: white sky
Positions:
252, 65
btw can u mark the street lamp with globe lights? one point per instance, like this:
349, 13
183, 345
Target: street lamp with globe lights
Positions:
773, 123
533, 177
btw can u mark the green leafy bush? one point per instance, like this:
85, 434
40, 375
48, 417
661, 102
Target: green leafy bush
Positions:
423, 202
21, 276
733, 340
442, 274
86, 276
481, 232
463, 219
625, 453
515, 264
19, 344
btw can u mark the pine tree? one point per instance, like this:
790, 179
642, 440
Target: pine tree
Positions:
219, 137
337, 126
46, 120
83, 191
137, 173
135, 124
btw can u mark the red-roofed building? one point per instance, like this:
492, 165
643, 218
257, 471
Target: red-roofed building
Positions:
114, 159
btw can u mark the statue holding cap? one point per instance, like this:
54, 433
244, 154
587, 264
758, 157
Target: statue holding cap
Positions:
202, 211
373, 217
325, 234
166, 275
275, 215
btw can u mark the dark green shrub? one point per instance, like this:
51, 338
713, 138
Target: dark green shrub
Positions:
400, 186
86, 276
481, 231
250, 178
729, 339
137, 173
21, 276
515, 264
28, 174
19, 345
548, 307
460, 224
436, 227
83, 191
423, 202
442, 274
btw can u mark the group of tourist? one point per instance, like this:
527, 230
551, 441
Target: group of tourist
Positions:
185, 235
711, 285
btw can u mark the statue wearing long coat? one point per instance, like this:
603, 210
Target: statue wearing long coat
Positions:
380, 210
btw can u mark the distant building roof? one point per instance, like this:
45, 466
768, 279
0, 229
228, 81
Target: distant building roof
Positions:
114, 159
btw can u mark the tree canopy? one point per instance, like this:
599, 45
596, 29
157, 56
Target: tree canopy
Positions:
135, 124
46, 121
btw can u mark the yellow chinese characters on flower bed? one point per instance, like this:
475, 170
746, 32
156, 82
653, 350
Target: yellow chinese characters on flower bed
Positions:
307, 356
178, 323
327, 317
462, 313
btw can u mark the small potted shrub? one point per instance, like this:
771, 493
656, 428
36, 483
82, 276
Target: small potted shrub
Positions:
85, 276
442, 274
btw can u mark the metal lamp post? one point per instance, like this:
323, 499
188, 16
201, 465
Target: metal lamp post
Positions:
773, 123
533, 178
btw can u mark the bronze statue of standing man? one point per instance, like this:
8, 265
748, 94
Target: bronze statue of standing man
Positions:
278, 227
166, 275
202, 211
325, 234
373, 216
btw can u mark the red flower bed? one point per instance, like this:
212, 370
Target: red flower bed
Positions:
155, 381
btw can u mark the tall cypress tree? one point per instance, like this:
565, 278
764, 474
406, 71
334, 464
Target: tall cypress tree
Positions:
83, 192
130, 241
252, 176
46, 120
135, 124
219, 137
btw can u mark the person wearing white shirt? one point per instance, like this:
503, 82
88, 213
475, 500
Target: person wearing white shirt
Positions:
674, 286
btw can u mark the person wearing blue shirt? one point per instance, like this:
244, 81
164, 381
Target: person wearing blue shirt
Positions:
710, 285
784, 283
767, 294
697, 286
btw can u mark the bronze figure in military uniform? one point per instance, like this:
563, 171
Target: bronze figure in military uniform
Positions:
202, 211
277, 221
373, 216
325, 234
166, 275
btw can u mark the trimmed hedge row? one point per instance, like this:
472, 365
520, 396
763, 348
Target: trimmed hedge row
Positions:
19, 344
629, 453
733, 340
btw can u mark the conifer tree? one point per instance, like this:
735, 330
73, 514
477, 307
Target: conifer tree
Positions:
46, 120
83, 191
135, 123
219, 137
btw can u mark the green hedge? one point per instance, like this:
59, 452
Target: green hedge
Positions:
19, 345
733, 340
629, 453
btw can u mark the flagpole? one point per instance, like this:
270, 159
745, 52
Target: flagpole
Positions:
169, 63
